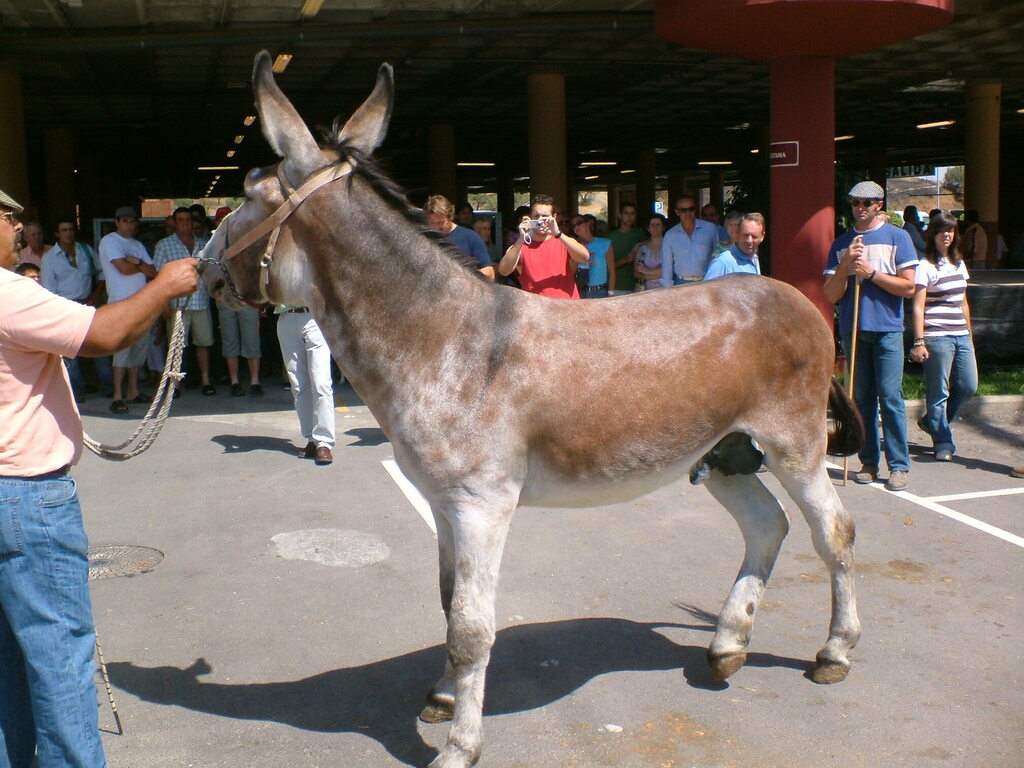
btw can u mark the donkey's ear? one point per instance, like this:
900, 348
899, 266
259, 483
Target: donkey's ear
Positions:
366, 129
284, 129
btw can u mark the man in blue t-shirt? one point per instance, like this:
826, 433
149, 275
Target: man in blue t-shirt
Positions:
741, 256
441, 217
882, 260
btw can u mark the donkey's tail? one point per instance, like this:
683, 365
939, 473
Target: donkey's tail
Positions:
847, 435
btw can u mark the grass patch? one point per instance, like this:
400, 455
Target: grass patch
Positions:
994, 381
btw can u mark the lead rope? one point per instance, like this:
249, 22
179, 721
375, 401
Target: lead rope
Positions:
155, 417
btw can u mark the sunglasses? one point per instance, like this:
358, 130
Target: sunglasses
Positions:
9, 217
689, 209
863, 203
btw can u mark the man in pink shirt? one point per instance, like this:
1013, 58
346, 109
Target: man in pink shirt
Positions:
47, 694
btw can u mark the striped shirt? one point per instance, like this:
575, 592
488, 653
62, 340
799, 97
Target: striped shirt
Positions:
171, 249
944, 303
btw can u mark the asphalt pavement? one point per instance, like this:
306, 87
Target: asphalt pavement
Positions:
285, 615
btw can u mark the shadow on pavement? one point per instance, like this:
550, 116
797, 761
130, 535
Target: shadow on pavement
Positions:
367, 436
249, 443
532, 665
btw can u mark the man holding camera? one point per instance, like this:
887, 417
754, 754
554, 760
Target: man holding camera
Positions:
543, 257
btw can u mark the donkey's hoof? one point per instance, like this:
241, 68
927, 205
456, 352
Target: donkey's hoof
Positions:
439, 709
726, 664
827, 672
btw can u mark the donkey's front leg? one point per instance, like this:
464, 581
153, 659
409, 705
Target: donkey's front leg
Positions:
764, 525
440, 705
479, 538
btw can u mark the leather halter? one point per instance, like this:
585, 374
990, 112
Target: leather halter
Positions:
273, 222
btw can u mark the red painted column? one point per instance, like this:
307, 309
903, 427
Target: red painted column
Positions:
802, 224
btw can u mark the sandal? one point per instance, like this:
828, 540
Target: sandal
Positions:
141, 398
209, 390
119, 406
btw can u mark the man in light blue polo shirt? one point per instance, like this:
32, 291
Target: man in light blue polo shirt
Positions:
687, 247
741, 256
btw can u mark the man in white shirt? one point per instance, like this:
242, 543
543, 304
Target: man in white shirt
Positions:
127, 266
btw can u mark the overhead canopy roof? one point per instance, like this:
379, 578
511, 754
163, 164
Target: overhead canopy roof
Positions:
157, 88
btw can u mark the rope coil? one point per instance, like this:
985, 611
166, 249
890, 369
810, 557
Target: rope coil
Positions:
153, 421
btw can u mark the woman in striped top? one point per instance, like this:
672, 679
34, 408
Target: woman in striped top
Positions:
942, 333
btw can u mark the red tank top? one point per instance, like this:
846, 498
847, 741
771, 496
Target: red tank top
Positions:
547, 270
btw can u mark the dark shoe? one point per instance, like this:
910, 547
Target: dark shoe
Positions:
209, 390
119, 406
309, 452
323, 455
944, 455
922, 424
141, 398
898, 480
236, 390
256, 391
868, 474
177, 392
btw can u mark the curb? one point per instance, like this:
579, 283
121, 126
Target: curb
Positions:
984, 406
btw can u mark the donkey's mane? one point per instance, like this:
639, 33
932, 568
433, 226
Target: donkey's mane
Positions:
394, 196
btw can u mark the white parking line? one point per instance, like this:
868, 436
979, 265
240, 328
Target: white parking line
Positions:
976, 495
932, 504
415, 498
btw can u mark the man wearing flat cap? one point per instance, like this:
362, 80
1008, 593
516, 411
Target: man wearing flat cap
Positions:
47, 636
881, 259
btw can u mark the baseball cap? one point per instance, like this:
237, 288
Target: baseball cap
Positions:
125, 212
9, 202
221, 213
869, 190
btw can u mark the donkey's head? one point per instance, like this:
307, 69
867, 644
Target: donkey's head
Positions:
262, 228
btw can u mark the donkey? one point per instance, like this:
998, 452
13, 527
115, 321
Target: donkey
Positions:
485, 391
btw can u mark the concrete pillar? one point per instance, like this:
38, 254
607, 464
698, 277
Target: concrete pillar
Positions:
645, 182
716, 179
546, 110
981, 158
802, 173
877, 167
61, 182
14, 157
441, 160
613, 205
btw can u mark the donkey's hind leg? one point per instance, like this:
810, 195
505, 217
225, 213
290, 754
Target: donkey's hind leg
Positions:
832, 531
764, 525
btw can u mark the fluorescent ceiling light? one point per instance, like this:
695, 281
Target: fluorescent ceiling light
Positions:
754, 151
239, 139
231, 153
590, 178
597, 162
310, 8
660, 150
628, 170
217, 168
945, 85
1020, 111
475, 165
715, 162
738, 127
281, 62
249, 120
844, 138
937, 124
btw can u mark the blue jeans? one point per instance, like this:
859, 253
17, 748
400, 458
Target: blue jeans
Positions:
951, 379
878, 385
47, 636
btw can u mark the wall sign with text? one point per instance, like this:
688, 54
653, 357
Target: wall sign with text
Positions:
782, 153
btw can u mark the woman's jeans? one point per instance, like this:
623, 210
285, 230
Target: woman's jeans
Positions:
47, 637
951, 379
878, 386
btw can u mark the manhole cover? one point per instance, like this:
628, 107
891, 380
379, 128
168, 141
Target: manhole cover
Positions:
113, 560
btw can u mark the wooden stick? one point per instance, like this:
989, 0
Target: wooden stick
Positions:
853, 357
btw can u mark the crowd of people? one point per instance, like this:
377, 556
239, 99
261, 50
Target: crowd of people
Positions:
110, 305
